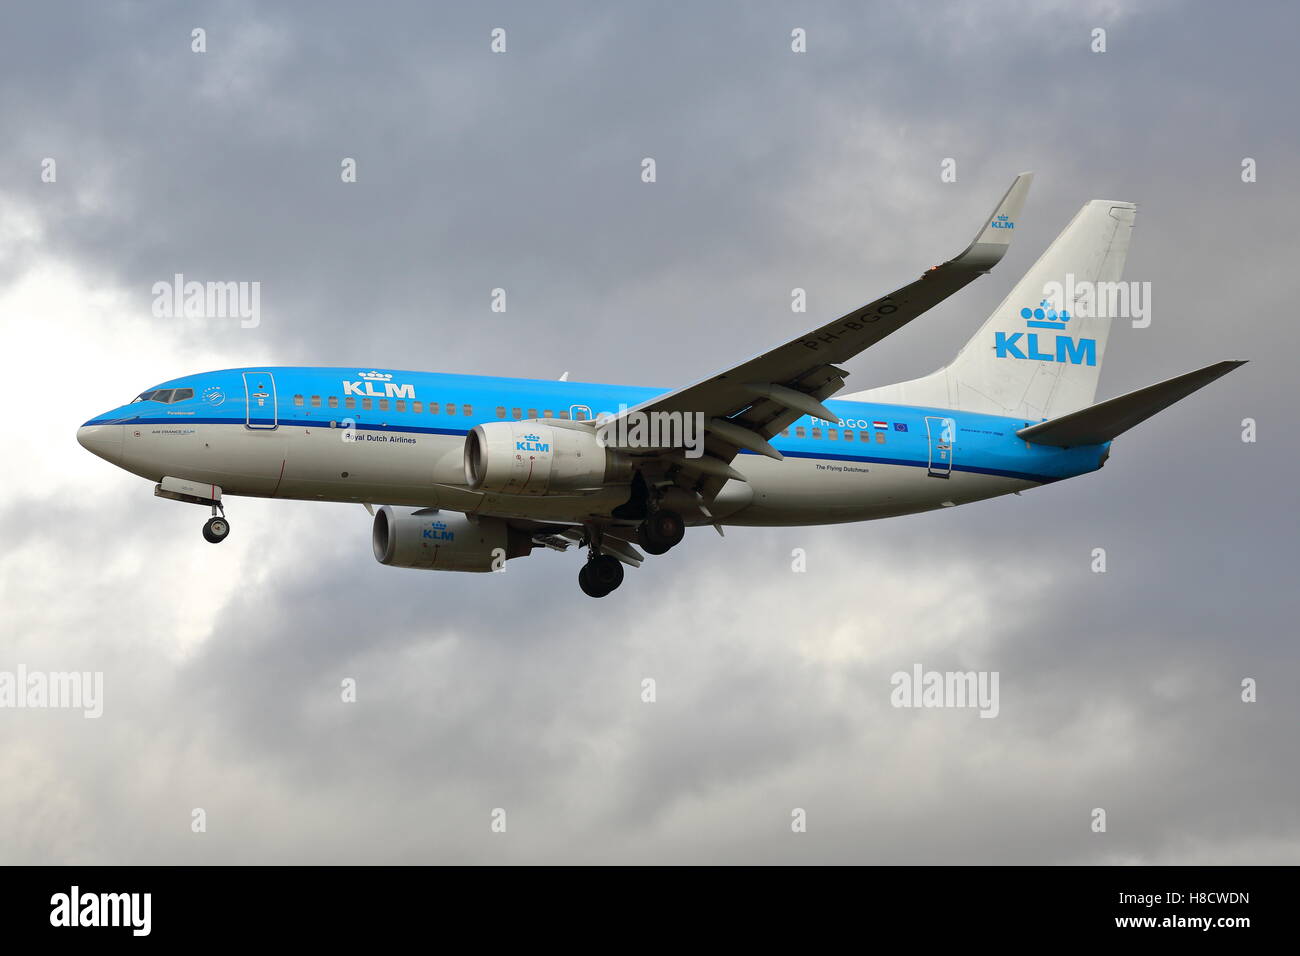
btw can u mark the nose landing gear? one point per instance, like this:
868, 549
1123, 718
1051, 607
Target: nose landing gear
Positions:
216, 530
217, 527
198, 493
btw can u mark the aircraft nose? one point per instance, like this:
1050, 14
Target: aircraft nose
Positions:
102, 440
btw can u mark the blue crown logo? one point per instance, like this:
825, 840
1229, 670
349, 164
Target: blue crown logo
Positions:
375, 376
1045, 317
532, 438
439, 525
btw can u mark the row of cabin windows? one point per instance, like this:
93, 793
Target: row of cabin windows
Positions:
401, 405
518, 414
833, 434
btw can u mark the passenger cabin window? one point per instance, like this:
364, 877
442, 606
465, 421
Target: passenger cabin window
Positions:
501, 411
315, 401
467, 409
786, 433
817, 433
865, 436
532, 413
433, 408
564, 415
401, 405
880, 438
349, 402
297, 400
516, 413
451, 409
548, 414
417, 407
800, 432
367, 404
334, 401
848, 436
383, 404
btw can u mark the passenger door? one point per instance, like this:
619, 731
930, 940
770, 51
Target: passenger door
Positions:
941, 433
260, 400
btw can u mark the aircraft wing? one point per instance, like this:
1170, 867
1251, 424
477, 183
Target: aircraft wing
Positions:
747, 404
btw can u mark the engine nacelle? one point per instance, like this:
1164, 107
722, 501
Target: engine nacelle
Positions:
532, 458
444, 540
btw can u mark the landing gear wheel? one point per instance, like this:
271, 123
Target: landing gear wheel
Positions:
649, 544
661, 531
600, 575
216, 530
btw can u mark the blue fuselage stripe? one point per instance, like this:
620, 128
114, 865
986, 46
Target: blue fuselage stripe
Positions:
984, 444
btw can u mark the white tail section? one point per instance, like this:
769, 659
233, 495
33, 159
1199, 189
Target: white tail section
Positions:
1029, 360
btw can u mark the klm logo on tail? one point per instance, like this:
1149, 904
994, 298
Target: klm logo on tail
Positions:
1065, 348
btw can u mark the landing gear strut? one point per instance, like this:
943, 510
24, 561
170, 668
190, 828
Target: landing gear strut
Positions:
661, 531
601, 574
217, 528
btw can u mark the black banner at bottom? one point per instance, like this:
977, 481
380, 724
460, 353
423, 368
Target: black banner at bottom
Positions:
302, 904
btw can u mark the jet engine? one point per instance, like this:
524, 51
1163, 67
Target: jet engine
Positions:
534, 458
444, 540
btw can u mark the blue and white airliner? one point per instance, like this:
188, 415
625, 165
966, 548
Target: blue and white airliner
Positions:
472, 471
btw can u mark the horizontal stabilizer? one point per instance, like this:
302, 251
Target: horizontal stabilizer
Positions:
1105, 420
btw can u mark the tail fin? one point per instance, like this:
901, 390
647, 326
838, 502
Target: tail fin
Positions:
1105, 420
1034, 357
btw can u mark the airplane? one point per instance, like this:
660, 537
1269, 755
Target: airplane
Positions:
474, 471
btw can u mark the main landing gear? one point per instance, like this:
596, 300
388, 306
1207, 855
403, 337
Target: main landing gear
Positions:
217, 528
601, 574
661, 531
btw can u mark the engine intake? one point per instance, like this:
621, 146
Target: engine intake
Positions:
531, 458
444, 540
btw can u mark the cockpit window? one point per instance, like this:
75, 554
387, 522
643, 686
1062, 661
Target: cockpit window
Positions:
167, 396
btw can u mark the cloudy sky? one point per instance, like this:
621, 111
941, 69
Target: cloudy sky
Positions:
222, 666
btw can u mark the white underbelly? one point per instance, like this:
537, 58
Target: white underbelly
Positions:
806, 491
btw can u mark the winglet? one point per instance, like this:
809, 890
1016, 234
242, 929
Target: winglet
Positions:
993, 240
